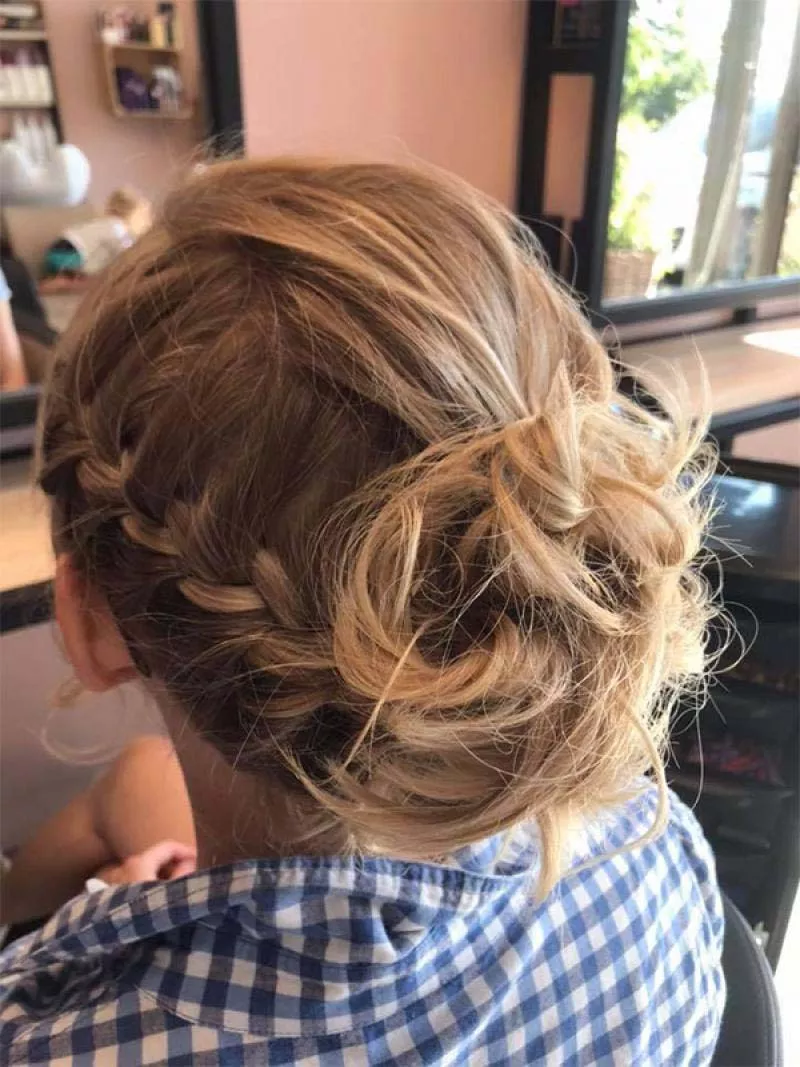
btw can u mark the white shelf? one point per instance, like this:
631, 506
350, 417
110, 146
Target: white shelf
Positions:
23, 35
21, 105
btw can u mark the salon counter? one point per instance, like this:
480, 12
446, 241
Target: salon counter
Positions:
745, 366
26, 554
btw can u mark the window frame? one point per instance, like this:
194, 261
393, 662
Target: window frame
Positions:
604, 60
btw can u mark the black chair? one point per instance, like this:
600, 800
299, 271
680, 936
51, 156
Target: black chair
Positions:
751, 1025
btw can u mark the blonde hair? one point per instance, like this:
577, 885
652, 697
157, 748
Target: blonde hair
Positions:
135, 210
357, 481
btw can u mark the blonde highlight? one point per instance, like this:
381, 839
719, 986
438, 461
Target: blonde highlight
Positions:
361, 490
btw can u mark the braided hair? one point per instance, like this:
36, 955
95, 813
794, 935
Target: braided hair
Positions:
358, 485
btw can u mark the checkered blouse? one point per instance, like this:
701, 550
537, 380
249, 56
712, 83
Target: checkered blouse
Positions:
325, 962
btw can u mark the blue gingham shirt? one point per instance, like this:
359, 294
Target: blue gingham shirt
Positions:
323, 962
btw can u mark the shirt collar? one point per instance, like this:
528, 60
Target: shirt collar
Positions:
341, 910
300, 947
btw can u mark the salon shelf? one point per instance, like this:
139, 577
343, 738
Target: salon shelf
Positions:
27, 105
152, 113
23, 35
142, 46
142, 57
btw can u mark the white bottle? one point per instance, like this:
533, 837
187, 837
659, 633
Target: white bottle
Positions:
38, 139
5, 89
50, 136
16, 82
44, 88
29, 91
28, 143
18, 131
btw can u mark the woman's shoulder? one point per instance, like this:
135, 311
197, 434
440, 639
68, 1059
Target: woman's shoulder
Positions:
649, 817
646, 866
648, 876
644, 914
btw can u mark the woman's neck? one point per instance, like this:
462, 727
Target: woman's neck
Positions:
237, 816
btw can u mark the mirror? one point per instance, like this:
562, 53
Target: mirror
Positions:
101, 109
706, 191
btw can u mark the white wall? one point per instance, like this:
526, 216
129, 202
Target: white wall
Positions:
33, 782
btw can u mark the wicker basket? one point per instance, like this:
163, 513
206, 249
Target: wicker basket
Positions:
627, 273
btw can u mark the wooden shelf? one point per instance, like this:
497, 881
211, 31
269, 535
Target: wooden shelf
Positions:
152, 113
23, 35
143, 57
142, 46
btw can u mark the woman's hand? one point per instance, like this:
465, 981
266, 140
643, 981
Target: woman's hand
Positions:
159, 863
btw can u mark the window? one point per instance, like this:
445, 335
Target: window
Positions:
706, 190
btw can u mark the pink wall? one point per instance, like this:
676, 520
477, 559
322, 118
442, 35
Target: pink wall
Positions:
774, 444
132, 151
436, 79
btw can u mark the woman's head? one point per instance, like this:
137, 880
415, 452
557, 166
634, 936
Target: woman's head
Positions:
354, 478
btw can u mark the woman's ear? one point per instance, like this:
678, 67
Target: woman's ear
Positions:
93, 644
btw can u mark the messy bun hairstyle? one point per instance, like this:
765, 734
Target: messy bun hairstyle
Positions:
357, 482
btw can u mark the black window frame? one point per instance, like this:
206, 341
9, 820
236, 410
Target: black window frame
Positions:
604, 59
